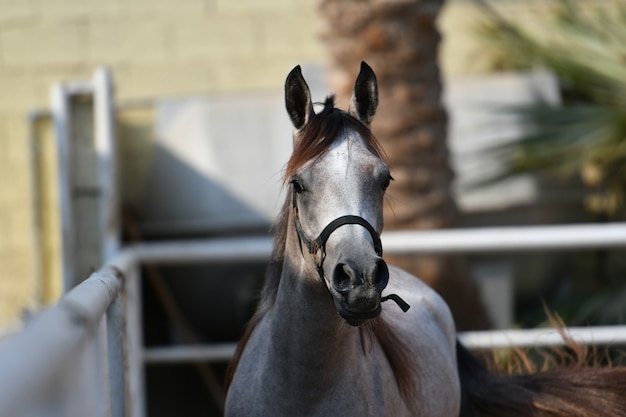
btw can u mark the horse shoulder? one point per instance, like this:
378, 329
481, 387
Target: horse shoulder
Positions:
428, 330
427, 306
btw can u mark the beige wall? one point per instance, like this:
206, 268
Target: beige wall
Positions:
154, 48
463, 52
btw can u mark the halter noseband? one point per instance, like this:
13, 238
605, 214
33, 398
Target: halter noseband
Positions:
319, 244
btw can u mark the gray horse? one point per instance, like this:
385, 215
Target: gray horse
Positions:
320, 344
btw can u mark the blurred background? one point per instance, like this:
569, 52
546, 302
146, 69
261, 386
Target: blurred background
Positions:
507, 112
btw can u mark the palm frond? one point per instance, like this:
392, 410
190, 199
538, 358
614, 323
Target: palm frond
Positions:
586, 49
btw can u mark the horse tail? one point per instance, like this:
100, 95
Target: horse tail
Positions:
566, 391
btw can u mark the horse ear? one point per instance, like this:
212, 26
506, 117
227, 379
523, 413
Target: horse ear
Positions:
365, 95
298, 98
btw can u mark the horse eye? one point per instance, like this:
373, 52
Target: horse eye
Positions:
297, 186
387, 182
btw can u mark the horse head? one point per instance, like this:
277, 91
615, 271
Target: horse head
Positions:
338, 179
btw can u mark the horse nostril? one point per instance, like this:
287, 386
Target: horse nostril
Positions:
342, 278
381, 274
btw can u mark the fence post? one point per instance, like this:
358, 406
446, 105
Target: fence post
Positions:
134, 341
118, 364
61, 118
106, 149
99, 357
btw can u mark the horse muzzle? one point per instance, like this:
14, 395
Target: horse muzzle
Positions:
357, 290
357, 282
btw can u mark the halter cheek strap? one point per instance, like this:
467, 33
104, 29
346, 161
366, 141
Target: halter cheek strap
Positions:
318, 244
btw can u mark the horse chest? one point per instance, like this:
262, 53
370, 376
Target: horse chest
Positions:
269, 384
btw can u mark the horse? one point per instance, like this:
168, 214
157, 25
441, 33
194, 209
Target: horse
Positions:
321, 343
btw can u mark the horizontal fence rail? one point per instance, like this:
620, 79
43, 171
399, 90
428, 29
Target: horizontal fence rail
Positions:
484, 339
489, 239
503, 239
220, 352
238, 249
548, 337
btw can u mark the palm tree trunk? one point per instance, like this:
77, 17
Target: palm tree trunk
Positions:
399, 40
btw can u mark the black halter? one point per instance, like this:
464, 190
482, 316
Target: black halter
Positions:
319, 244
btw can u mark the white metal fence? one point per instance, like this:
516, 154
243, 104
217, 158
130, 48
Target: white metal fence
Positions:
78, 357
84, 356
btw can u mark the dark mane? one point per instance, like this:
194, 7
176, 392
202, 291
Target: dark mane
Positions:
313, 141
320, 132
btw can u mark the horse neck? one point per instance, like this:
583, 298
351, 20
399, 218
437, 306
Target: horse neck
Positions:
305, 325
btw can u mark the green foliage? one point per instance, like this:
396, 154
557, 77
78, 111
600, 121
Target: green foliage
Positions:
585, 46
